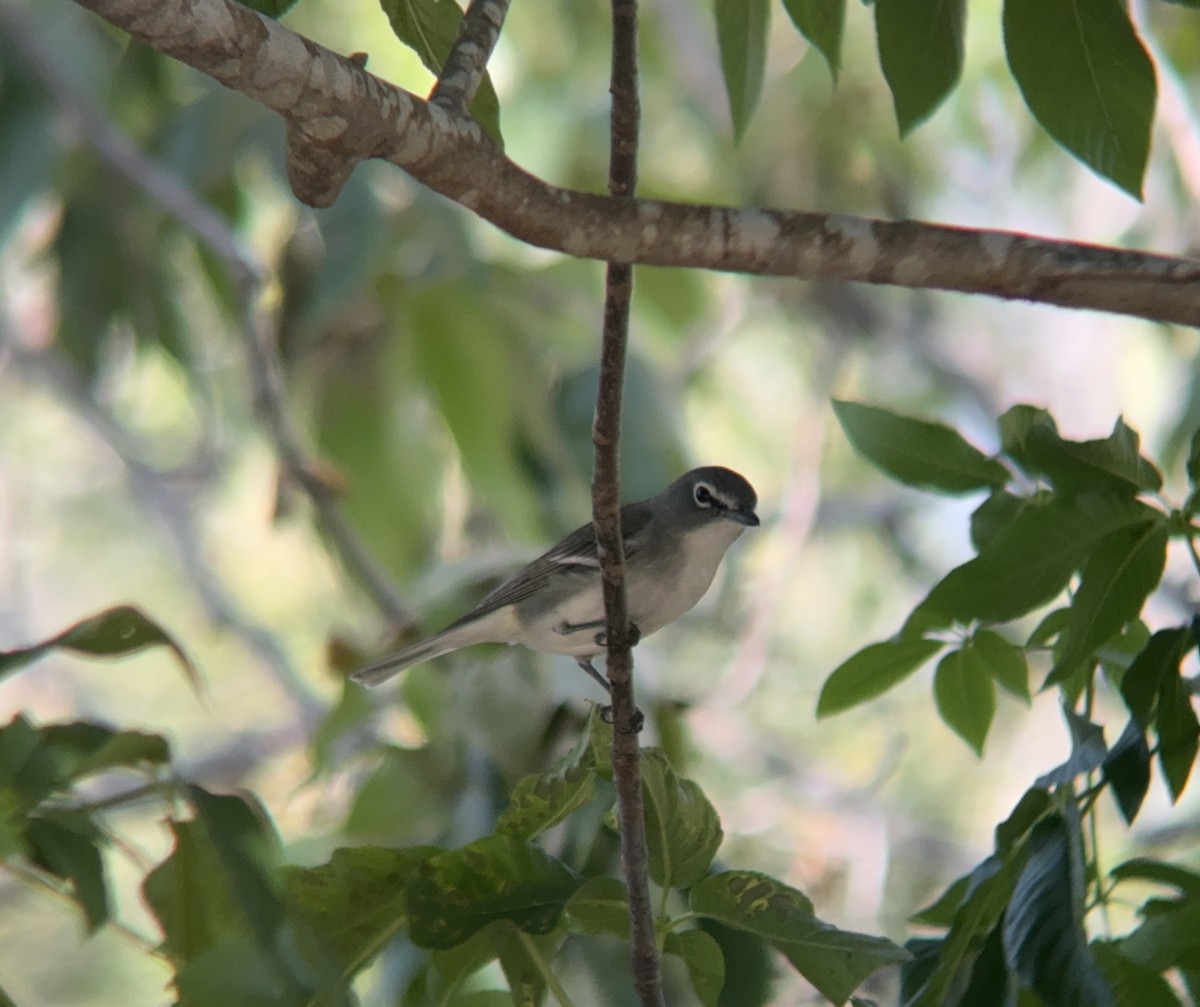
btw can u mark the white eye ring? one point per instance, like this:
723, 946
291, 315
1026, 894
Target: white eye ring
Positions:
703, 495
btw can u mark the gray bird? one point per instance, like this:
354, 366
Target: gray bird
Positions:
673, 545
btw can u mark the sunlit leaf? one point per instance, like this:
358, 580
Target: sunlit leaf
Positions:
1004, 661
683, 831
966, 696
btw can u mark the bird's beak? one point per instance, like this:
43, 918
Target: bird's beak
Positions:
743, 516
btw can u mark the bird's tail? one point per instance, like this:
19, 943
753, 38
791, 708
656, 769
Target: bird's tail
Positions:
393, 664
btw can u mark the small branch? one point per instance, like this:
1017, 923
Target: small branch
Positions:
606, 515
346, 115
465, 66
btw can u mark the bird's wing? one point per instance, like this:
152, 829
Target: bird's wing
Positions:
575, 557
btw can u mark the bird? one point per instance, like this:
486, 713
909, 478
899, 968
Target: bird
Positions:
674, 543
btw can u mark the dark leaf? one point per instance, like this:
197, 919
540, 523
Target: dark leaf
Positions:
600, 906
1127, 770
1044, 941
918, 452
1178, 733
1157, 663
941, 911
966, 696
458, 892
991, 984
1087, 78
742, 39
683, 831
921, 51
1133, 985
834, 961
1166, 937
749, 965
1185, 881
67, 844
820, 21
272, 8
1003, 660
112, 633
1030, 809
872, 671
995, 514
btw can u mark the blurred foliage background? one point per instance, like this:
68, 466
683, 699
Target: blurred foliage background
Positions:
440, 378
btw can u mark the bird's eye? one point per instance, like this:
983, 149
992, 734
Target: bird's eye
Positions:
703, 495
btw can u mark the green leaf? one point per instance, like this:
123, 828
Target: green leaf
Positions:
114, 632
80, 749
821, 22
1160, 872
523, 959
834, 961
683, 831
918, 452
991, 983
921, 52
966, 696
600, 906
1132, 984
1087, 78
1116, 580
1127, 770
1027, 564
742, 40
1155, 664
994, 515
1193, 461
1004, 661
704, 960
539, 802
354, 903
1043, 926
1178, 733
247, 850
1166, 937
429, 28
1030, 809
872, 671
456, 893
941, 911
67, 844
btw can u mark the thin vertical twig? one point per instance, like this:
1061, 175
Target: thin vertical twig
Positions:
606, 431
467, 63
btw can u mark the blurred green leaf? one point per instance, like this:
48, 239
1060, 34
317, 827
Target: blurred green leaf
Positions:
355, 902
941, 911
994, 515
429, 28
1166, 937
705, 963
683, 832
1127, 770
921, 52
399, 801
1132, 984
742, 39
821, 22
1043, 926
1156, 664
541, 801
1087, 78
82, 748
271, 8
30, 146
749, 965
1120, 574
523, 959
1004, 661
114, 632
966, 696
918, 452
600, 906
67, 844
1186, 881
872, 671
1028, 563
834, 961
456, 893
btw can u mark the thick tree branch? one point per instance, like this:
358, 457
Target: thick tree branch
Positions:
606, 514
463, 72
338, 114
